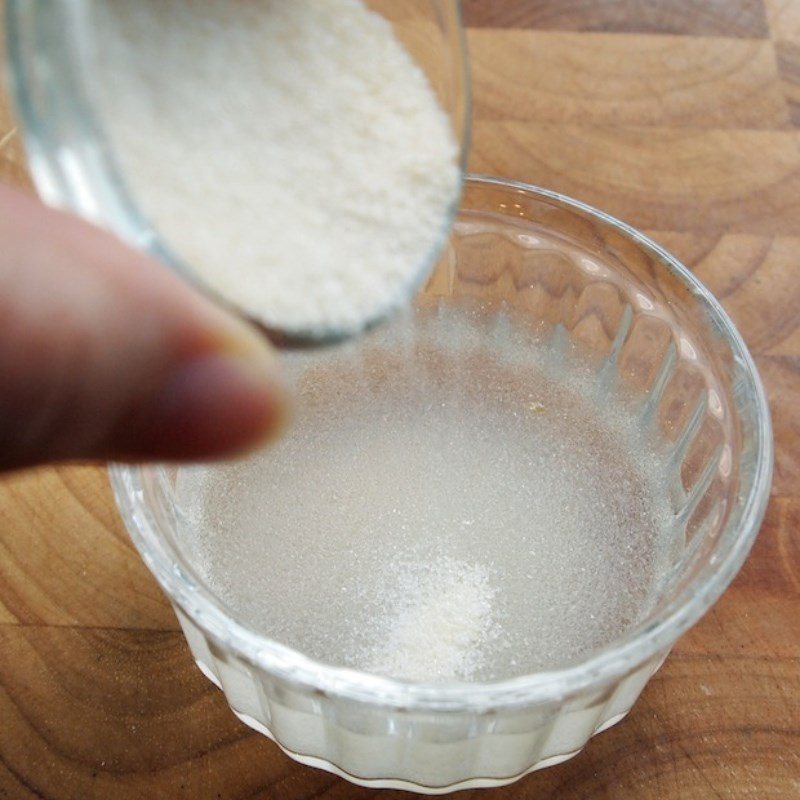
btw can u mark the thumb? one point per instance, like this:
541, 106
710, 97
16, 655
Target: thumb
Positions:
105, 354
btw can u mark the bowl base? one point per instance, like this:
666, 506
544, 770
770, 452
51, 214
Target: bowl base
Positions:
408, 786
396, 783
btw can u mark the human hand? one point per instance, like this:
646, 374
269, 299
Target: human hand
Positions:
105, 354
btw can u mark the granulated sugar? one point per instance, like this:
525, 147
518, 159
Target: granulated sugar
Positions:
441, 509
290, 152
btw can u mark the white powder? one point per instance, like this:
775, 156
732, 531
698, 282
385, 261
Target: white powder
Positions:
290, 152
437, 625
442, 508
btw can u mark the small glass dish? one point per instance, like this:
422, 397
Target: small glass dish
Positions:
653, 333
54, 81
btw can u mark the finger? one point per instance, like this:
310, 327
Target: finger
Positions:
106, 354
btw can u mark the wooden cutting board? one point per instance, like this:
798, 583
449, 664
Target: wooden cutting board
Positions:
679, 116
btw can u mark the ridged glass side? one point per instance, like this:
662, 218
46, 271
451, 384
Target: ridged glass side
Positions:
430, 752
535, 267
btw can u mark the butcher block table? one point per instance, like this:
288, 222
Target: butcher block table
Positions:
682, 117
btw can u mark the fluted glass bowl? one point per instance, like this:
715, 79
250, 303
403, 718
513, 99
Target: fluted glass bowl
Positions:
652, 335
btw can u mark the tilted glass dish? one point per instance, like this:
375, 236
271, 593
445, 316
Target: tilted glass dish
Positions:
654, 336
54, 83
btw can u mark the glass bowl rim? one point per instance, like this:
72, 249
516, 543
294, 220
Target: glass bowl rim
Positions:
601, 667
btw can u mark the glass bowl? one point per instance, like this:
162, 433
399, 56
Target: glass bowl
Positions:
54, 82
652, 334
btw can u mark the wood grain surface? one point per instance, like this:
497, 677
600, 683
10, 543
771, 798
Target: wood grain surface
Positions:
681, 117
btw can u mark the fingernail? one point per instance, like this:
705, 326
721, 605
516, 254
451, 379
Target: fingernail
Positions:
219, 403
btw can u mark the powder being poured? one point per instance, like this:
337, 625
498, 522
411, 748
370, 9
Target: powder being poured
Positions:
290, 152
